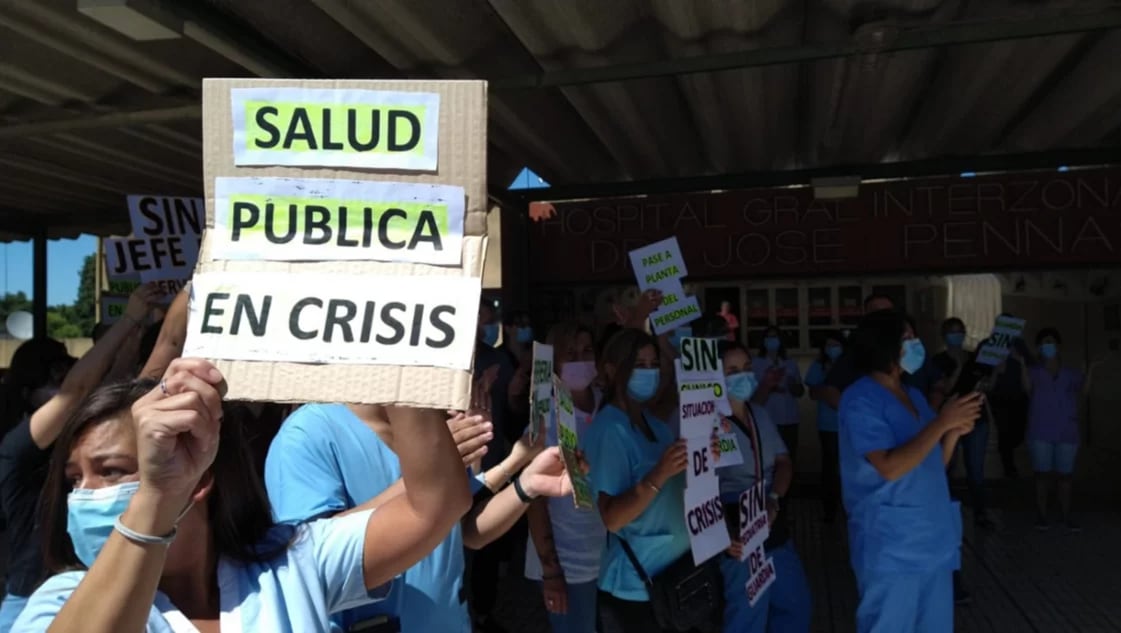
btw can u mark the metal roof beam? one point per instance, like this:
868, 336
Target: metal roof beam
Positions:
948, 166
115, 119
871, 39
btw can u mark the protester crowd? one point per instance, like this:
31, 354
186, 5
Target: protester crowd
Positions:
136, 499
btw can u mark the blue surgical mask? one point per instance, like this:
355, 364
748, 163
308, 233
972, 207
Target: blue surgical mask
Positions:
490, 333
1049, 350
772, 343
91, 515
834, 351
643, 384
525, 335
741, 386
955, 339
914, 355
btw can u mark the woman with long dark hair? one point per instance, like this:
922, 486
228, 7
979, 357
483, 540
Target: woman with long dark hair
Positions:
155, 519
904, 531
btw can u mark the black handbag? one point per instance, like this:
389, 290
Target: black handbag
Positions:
684, 596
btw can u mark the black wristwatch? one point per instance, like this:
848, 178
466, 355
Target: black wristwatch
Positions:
525, 498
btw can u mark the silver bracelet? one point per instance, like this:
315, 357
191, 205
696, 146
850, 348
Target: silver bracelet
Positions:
144, 539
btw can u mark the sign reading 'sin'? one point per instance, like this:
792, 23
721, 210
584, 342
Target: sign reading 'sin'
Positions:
312, 219
314, 127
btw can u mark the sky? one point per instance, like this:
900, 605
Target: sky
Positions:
64, 265
65, 257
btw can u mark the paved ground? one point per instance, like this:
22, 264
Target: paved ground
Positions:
1022, 581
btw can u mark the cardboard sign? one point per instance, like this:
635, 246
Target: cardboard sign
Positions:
699, 368
151, 258
541, 390
999, 345
112, 308
704, 517
392, 134
755, 525
325, 127
334, 319
164, 216
568, 441
312, 219
660, 266
762, 570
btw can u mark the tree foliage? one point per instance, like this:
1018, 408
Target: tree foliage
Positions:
63, 321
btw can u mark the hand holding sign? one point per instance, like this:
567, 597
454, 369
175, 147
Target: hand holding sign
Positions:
526, 448
480, 402
471, 433
546, 475
141, 302
674, 461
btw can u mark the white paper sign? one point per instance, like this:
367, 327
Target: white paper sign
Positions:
315, 219
762, 569
660, 266
657, 264
112, 307
999, 345
697, 414
730, 453
162, 216
332, 318
151, 258
755, 525
677, 310
699, 368
325, 127
701, 470
541, 403
704, 516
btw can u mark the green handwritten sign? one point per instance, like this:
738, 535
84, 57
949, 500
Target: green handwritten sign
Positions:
568, 440
541, 389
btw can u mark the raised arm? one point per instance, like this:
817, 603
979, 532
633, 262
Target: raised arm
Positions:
90, 370
173, 333
408, 527
619, 510
491, 518
957, 415
177, 440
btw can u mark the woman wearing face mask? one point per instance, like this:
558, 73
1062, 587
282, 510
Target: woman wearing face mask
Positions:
566, 542
780, 386
832, 347
25, 450
1054, 393
155, 520
904, 531
636, 474
953, 362
786, 607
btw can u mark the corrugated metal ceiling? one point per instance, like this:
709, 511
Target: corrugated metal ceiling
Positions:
988, 96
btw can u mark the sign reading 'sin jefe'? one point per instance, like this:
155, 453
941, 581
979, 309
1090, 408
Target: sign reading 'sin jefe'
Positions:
289, 219
369, 129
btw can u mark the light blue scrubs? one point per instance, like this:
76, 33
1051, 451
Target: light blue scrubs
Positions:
787, 606
321, 573
904, 535
620, 456
325, 460
826, 415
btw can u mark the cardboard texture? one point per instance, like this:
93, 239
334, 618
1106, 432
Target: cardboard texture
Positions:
462, 162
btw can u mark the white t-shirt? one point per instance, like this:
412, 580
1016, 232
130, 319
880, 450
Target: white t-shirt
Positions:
578, 535
320, 574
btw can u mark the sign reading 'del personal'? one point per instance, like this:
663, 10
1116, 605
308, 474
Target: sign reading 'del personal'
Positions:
329, 318
372, 129
288, 219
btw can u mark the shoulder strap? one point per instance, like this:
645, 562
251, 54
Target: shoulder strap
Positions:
634, 561
752, 433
